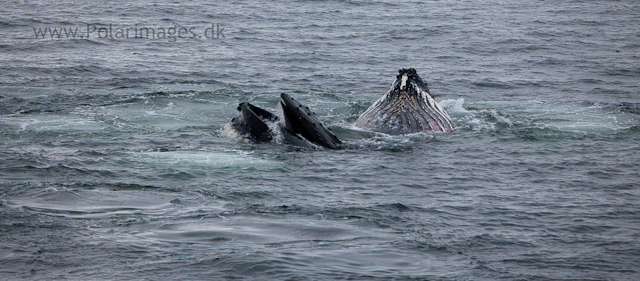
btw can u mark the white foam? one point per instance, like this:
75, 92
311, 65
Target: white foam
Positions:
568, 117
454, 106
501, 119
229, 132
197, 159
54, 123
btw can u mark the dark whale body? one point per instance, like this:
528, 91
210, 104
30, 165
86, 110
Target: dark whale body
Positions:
407, 108
299, 120
301, 125
252, 122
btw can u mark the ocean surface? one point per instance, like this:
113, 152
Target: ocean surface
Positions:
114, 164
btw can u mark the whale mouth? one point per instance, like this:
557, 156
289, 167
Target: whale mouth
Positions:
301, 126
407, 108
252, 122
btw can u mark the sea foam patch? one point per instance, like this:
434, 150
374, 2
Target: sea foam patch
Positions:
197, 159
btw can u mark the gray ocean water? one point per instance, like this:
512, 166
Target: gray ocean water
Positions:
113, 163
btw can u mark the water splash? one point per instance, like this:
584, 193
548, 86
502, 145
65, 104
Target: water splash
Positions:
534, 119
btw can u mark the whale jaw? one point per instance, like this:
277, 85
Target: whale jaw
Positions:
252, 122
299, 120
302, 127
407, 108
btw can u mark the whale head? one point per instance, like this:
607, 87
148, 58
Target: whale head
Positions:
408, 81
301, 121
407, 107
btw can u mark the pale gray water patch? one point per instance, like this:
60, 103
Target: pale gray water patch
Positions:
103, 203
222, 159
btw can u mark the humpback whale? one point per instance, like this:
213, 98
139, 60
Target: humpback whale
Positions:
252, 122
407, 108
301, 124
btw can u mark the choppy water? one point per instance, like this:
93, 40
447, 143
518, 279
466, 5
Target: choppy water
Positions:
113, 165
